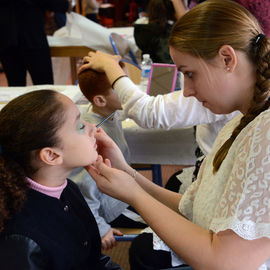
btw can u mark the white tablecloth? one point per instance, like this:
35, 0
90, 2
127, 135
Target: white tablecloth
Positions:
8, 93
80, 31
152, 146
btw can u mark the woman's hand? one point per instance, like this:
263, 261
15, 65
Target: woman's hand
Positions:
114, 182
99, 61
108, 241
103, 62
108, 149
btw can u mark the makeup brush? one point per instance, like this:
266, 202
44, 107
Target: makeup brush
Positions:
105, 119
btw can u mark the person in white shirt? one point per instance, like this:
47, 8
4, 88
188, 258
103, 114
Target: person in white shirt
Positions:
222, 220
90, 8
169, 111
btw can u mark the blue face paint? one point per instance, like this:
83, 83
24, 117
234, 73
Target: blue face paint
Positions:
80, 127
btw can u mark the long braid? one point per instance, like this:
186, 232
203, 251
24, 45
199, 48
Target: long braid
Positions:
260, 54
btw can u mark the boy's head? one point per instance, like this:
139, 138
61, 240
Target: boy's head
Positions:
97, 89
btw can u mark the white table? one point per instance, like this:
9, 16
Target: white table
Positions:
9, 93
159, 146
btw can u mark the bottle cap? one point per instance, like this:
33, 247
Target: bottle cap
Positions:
145, 56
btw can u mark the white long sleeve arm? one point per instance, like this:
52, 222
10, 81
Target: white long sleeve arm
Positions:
172, 110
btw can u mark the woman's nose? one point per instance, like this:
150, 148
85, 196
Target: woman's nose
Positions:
188, 90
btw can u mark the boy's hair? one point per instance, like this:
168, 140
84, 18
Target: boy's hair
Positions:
93, 83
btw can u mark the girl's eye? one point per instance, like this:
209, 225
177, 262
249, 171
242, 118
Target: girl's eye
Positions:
80, 127
188, 74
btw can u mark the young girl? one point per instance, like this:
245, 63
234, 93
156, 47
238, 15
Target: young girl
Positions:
45, 222
224, 216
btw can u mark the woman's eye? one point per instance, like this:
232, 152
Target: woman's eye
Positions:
188, 74
82, 126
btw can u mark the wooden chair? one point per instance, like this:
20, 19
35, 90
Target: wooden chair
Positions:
134, 71
131, 233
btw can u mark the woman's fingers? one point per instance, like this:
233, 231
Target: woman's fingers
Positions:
100, 172
86, 64
104, 169
108, 162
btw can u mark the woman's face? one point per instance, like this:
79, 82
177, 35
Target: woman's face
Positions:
209, 82
78, 143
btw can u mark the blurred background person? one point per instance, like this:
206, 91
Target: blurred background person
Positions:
91, 9
151, 33
24, 46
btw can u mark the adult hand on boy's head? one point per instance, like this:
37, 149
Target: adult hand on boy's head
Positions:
99, 61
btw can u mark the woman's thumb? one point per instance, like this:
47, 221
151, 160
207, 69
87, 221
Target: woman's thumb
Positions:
102, 168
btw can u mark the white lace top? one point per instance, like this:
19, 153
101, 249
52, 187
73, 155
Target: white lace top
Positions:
237, 197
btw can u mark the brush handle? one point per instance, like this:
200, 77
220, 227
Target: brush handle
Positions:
105, 119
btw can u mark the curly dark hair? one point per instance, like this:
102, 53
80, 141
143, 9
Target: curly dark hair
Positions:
27, 123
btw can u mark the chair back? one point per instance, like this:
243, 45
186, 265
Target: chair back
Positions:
134, 71
121, 47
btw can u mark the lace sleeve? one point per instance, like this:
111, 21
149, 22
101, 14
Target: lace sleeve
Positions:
186, 203
244, 205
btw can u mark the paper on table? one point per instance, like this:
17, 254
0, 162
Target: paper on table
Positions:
9, 93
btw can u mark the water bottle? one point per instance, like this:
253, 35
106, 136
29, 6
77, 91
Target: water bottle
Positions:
146, 67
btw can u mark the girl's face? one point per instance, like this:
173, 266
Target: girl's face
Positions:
78, 143
210, 82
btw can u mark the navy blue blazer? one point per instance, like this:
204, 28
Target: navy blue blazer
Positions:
52, 234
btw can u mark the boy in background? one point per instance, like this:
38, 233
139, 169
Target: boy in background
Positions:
107, 210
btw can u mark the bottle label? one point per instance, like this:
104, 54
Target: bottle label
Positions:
145, 73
